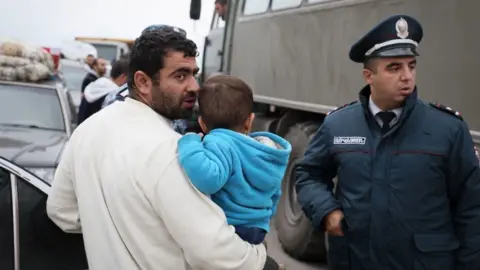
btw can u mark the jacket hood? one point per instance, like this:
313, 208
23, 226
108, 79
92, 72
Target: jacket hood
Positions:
99, 88
263, 153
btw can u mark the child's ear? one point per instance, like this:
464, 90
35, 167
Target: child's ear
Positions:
202, 125
249, 123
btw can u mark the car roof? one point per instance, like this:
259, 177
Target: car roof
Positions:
50, 84
107, 42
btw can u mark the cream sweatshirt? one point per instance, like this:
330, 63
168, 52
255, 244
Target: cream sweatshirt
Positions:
120, 184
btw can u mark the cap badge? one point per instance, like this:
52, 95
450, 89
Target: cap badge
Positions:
402, 28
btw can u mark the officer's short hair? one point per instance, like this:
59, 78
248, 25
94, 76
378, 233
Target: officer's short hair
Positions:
225, 102
371, 64
119, 67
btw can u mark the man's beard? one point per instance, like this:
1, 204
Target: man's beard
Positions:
170, 106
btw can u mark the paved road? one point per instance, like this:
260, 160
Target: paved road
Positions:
275, 250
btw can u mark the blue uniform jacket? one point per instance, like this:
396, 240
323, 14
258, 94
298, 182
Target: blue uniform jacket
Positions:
411, 198
242, 175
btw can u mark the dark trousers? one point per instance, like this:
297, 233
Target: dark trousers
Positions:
256, 236
252, 235
271, 264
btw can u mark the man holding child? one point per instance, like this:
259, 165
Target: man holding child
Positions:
120, 181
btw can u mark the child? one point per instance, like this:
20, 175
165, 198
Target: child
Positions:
242, 173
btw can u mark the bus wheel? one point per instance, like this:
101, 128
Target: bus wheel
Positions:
295, 231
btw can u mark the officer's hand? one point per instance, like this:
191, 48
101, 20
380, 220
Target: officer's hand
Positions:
333, 223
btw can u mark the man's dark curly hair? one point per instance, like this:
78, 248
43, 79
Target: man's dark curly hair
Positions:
151, 47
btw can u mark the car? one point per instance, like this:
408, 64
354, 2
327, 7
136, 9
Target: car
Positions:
28, 238
36, 121
72, 73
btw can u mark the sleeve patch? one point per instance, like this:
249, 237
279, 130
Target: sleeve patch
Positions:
447, 110
341, 107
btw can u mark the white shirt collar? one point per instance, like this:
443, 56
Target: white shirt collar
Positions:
374, 110
147, 111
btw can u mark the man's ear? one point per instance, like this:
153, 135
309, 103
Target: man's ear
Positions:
202, 125
142, 82
368, 75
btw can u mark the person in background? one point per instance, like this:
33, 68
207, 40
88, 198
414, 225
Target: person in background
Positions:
119, 181
241, 171
96, 91
408, 178
89, 62
99, 70
99, 67
221, 7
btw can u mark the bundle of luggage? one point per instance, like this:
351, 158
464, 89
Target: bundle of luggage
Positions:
23, 62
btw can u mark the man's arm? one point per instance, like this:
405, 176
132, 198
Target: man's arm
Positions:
314, 176
62, 207
208, 168
464, 192
109, 99
199, 226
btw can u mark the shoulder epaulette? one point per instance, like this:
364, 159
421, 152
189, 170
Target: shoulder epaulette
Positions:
341, 107
447, 110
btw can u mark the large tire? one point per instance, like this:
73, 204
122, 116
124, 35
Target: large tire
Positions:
295, 231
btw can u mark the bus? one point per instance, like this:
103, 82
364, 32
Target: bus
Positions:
294, 54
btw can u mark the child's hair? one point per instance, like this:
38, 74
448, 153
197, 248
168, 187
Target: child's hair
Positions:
225, 102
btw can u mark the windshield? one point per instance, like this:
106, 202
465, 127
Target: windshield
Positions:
74, 76
106, 51
30, 107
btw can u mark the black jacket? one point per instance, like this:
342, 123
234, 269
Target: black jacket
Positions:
89, 78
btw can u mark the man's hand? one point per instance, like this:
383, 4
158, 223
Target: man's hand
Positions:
333, 223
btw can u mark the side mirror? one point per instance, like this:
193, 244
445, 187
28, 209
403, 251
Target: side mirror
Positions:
195, 9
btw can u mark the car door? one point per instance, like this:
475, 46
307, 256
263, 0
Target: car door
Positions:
28, 238
213, 47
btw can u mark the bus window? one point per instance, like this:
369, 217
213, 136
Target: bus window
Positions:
282, 4
251, 7
319, 1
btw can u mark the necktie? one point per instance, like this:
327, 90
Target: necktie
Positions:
386, 117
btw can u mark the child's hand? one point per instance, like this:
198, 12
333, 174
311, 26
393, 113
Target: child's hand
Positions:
200, 135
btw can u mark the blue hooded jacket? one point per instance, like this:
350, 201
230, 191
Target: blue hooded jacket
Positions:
243, 174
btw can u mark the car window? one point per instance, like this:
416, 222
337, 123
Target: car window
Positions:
30, 106
42, 244
73, 76
6, 222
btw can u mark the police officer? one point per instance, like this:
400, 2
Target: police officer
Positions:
408, 188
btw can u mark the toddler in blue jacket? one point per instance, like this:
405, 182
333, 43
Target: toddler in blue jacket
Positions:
241, 171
